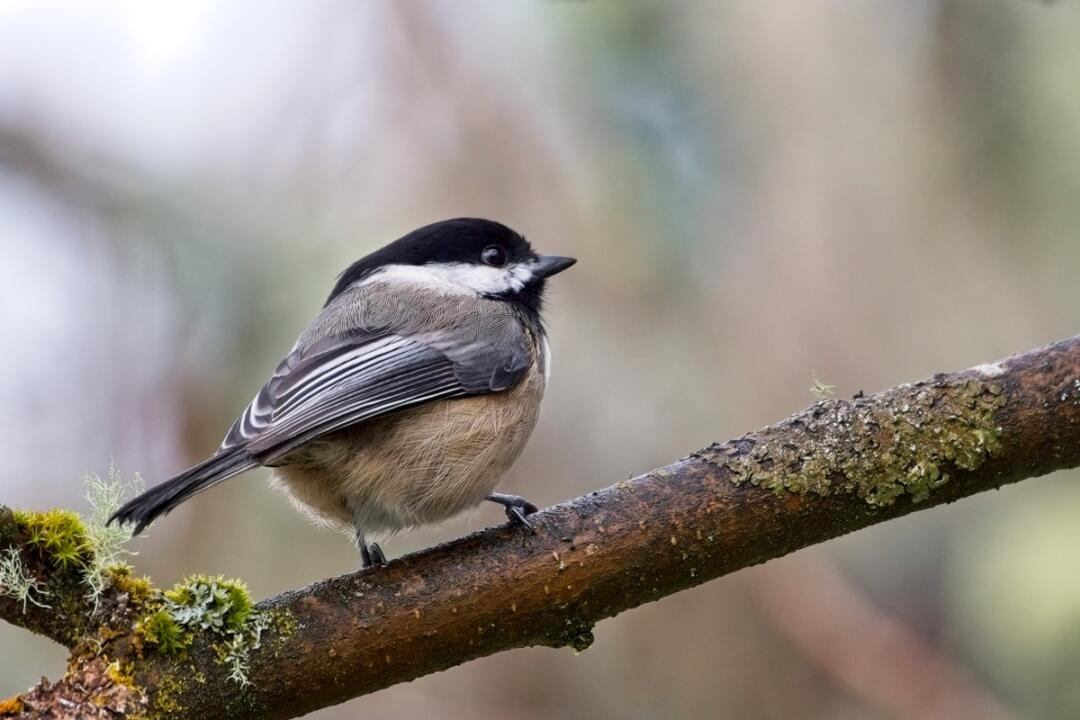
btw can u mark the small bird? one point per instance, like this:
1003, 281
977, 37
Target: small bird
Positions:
407, 398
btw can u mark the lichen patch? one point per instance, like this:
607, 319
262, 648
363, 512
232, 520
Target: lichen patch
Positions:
907, 441
989, 369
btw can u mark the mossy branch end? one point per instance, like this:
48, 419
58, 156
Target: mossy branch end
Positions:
909, 440
202, 650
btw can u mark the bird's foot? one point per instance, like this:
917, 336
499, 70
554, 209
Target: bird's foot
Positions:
370, 555
517, 509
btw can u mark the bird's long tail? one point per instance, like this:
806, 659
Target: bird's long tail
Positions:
162, 498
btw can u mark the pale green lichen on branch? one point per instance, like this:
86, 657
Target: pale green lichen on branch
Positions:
55, 552
223, 608
904, 441
68, 543
107, 541
210, 603
56, 560
17, 583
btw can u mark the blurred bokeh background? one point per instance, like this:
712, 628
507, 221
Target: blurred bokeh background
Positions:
862, 190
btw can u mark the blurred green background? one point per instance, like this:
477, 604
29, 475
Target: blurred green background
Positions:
862, 190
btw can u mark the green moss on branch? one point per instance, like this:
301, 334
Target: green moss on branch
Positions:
58, 535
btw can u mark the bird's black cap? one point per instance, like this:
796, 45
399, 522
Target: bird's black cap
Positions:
460, 240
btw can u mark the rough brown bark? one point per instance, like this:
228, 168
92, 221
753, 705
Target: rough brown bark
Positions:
838, 466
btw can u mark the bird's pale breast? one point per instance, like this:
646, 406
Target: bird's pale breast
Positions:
417, 466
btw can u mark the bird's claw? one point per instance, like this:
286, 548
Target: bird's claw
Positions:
517, 509
517, 515
371, 556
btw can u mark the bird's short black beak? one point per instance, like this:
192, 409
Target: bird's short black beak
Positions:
549, 265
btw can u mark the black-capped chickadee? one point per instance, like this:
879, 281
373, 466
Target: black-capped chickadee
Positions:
410, 394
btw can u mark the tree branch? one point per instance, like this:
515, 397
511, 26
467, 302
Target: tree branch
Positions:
838, 466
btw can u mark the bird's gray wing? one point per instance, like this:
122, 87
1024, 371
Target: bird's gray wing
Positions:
345, 379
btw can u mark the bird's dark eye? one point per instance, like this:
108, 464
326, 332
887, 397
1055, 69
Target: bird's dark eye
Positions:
494, 256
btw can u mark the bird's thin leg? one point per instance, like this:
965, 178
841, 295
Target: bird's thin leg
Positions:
365, 554
370, 555
517, 508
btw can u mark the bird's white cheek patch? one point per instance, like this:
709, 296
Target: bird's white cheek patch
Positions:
482, 279
458, 277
